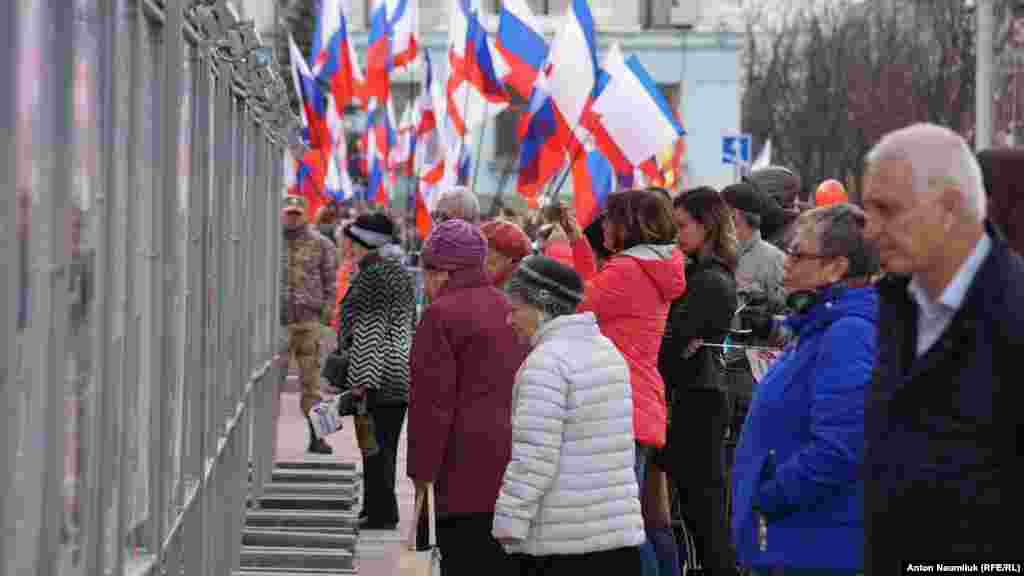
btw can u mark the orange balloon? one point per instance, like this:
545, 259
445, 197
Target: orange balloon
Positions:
830, 192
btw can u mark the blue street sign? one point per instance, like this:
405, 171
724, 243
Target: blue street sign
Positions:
736, 149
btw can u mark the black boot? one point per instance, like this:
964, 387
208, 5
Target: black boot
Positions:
317, 445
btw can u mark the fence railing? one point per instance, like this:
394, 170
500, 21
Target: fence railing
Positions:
140, 243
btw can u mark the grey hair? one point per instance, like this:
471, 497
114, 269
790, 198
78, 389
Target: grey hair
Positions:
459, 202
938, 158
839, 230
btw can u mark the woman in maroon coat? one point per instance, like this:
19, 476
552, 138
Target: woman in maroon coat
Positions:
463, 364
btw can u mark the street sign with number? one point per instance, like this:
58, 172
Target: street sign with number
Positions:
736, 149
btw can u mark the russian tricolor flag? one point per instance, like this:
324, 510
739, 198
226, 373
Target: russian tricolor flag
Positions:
380, 139
542, 133
314, 105
573, 58
560, 96
472, 91
593, 179
403, 28
522, 44
329, 29
310, 178
479, 64
378, 54
332, 54
338, 183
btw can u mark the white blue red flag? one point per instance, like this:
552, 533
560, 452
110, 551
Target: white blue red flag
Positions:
637, 120
403, 26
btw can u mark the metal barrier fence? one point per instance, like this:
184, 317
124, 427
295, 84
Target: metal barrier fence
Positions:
138, 305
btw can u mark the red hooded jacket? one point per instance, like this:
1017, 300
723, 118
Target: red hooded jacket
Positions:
630, 296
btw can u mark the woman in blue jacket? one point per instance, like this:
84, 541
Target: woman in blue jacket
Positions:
798, 490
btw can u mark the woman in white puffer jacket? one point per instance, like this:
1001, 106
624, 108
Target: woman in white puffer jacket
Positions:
569, 498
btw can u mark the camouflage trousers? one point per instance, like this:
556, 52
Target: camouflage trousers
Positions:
304, 350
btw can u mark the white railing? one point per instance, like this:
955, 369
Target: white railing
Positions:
139, 301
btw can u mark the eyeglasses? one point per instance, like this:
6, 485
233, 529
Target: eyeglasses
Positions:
797, 255
439, 217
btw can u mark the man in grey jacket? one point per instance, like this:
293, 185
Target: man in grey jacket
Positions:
759, 273
758, 283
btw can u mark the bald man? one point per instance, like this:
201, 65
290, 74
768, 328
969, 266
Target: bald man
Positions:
457, 202
943, 419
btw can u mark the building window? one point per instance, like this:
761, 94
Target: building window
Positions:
657, 13
542, 7
506, 145
402, 96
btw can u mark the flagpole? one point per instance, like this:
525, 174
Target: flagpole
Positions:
684, 32
575, 156
462, 140
479, 155
414, 191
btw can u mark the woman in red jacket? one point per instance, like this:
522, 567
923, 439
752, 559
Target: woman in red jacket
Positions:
462, 368
630, 295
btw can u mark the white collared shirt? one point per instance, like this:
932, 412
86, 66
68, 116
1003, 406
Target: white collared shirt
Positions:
934, 316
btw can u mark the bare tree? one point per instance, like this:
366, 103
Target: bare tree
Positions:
829, 80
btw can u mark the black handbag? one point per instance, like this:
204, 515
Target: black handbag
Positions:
335, 368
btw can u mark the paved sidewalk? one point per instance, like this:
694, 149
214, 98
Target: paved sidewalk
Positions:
378, 550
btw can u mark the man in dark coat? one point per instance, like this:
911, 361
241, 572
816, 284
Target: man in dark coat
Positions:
943, 423
1004, 181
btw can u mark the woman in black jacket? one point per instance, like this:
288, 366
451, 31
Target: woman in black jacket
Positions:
698, 405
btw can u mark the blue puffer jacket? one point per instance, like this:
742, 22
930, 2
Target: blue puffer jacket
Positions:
800, 456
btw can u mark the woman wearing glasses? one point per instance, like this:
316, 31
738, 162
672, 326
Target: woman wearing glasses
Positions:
798, 494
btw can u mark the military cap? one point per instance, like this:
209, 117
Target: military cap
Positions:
295, 204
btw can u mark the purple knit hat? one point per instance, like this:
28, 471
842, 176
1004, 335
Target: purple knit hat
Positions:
454, 245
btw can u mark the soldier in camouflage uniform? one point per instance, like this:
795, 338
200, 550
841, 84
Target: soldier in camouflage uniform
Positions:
309, 268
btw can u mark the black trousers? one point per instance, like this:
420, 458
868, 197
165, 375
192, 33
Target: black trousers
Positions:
468, 549
379, 501
618, 561
700, 484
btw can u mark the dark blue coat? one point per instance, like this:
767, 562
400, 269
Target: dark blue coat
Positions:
944, 454
800, 454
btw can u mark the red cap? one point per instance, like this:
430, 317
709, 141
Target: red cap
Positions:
507, 238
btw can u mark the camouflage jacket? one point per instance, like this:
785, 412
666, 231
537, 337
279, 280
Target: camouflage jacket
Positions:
309, 270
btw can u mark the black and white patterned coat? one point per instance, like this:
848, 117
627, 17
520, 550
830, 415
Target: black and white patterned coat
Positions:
378, 317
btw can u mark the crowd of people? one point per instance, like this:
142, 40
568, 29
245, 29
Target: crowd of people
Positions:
571, 392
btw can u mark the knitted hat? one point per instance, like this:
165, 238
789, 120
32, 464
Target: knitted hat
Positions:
371, 231
507, 239
551, 286
454, 245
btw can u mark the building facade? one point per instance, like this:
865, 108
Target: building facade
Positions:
690, 47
